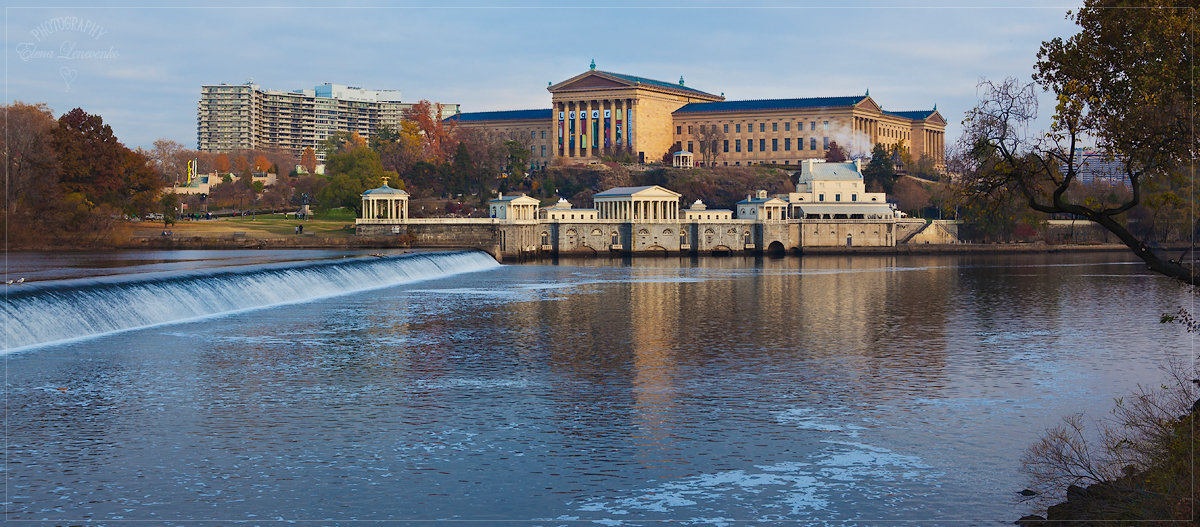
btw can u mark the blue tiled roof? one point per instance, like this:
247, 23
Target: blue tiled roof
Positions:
652, 82
385, 189
918, 115
508, 115
770, 104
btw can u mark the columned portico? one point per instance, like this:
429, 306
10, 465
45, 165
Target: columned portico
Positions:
606, 111
384, 205
638, 204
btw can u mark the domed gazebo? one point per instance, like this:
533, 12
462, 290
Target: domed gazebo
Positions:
384, 205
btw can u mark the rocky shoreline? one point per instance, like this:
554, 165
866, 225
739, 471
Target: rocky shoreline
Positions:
1137, 497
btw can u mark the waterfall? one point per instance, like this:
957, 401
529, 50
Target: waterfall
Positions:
42, 313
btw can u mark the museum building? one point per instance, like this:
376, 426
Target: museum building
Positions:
600, 113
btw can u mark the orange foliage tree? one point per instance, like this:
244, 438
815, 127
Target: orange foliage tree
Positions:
438, 138
308, 159
242, 164
261, 164
221, 163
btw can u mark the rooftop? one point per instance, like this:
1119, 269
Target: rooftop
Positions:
629, 191
810, 171
507, 115
917, 115
770, 104
385, 189
652, 82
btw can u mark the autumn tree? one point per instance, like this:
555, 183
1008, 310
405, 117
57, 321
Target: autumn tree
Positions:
261, 164
308, 160
835, 153
242, 165
221, 163
438, 138
708, 138
31, 164
95, 165
399, 149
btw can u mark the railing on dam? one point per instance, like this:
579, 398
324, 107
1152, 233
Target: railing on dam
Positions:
443, 221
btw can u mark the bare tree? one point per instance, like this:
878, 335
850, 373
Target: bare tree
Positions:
167, 160
709, 139
1003, 155
1140, 433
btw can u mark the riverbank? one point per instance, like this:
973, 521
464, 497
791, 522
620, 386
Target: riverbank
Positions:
305, 241
274, 232
246, 240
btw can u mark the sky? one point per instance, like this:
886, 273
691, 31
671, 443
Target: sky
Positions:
140, 66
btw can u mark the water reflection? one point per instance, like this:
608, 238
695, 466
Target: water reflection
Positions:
864, 389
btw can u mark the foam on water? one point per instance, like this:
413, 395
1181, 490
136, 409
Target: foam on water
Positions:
72, 309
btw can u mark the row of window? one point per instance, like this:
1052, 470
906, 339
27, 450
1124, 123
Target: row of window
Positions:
837, 197
533, 134
752, 163
762, 144
762, 127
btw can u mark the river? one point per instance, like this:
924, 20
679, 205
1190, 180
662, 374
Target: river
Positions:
212, 387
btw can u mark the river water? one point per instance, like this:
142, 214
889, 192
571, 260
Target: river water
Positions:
209, 388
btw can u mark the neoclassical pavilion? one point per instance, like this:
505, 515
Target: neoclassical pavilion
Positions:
652, 203
384, 205
514, 207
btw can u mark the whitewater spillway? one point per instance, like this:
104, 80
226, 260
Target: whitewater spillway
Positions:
43, 313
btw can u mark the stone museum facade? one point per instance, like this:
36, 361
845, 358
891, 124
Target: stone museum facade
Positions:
597, 114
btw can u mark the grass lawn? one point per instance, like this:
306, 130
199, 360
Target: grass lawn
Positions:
337, 223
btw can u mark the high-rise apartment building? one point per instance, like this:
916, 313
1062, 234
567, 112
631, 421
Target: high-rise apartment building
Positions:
234, 117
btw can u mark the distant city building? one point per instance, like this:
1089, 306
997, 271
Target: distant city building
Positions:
244, 116
599, 113
1094, 166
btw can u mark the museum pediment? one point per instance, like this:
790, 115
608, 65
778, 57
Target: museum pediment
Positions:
592, 80
868, 104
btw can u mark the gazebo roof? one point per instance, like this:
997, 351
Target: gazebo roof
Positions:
385, 190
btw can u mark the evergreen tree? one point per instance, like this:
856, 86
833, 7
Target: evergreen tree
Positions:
880, 170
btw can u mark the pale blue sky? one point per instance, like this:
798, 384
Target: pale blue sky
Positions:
141, 67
